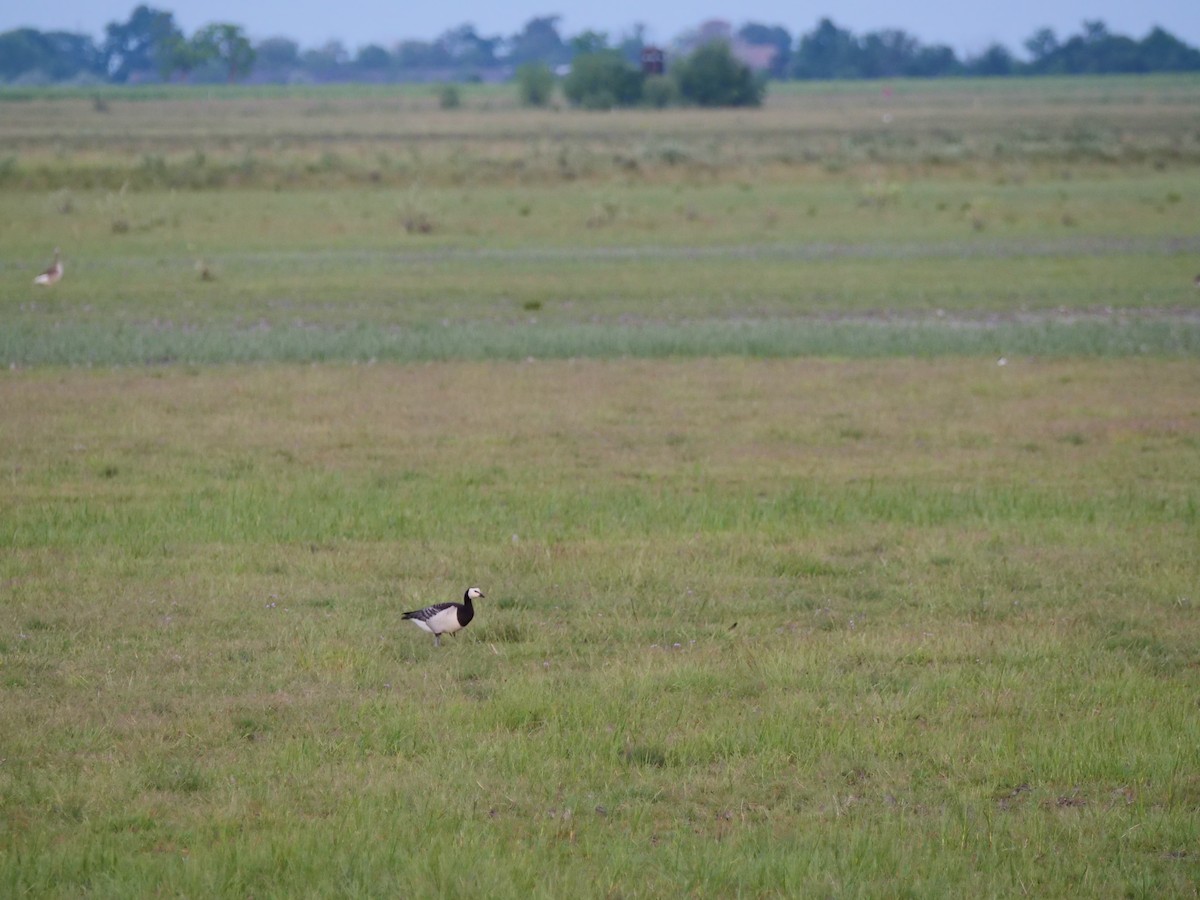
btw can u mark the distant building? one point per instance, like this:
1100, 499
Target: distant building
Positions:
714, 30
654, 61
757, 57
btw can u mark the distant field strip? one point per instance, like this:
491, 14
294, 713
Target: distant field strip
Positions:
985, 248
205, 139
821, 250
1166, 334
1058, 297
992, 249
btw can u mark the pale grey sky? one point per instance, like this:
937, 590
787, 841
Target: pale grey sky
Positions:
965, 26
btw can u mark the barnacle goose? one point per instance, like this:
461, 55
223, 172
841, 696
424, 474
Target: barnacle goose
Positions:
446, 618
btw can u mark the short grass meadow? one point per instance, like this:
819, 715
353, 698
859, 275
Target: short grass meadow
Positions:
831, 471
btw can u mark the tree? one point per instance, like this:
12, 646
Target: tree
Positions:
887, 54
588, 42
277, 58
327, 61
372, 58
535, 83
1096, 50
1042, 44
465, 47
602, 81
421, 55
57, 55
711, 76
22, 50
826, 52
182, 56
1118, 53
538, 42
995, 60
227, 44
72, 55
933, 62
1095, 31
137, 46
1163, 52
631, 44
278, 52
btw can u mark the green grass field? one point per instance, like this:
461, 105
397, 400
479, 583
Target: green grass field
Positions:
835, 495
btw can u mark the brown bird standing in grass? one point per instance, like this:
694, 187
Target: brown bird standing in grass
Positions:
53, 274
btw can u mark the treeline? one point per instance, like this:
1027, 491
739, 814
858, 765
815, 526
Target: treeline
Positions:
150, 46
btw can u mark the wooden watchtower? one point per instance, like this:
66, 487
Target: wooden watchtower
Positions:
654, 61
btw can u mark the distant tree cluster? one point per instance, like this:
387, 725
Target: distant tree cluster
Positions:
595, 71
147, 46
458, 54
1098, 51
829, 52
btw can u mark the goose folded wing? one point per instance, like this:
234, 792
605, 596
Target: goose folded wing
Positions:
428, 612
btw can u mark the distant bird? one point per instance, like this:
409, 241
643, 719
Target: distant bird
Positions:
1196, 281
204, 272
446, 618
52, 275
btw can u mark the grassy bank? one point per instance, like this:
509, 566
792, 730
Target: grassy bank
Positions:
831, 471
763, 627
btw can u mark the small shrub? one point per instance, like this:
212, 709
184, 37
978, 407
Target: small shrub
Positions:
599, 100
117, 209
602, 81
713, 77
535, 84
449, 96
659, 92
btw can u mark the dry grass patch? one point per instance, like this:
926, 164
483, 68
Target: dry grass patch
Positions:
205, 139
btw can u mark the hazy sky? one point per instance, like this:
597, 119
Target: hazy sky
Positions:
965, 26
